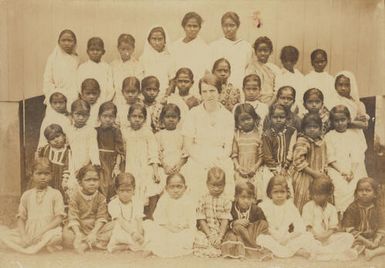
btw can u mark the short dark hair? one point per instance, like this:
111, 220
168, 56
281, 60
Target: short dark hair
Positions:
192, 15
53, 131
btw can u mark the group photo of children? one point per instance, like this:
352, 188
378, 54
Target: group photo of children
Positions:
199, 148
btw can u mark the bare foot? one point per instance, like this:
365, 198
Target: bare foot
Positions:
303, 253
146, 253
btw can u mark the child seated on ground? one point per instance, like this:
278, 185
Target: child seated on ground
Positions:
321, 219
40, 214
247, 224
87, 214
171, 234
213, 215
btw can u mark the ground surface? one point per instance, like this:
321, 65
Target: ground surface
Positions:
68, 259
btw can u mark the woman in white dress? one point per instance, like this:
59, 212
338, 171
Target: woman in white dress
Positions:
237, 51
191, 50
208, 132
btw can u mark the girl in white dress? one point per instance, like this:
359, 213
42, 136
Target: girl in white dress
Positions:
127, 213
142, 158
346, 157
287, 233
40, 214
156, 58
237, 51
191, 51
170, 141
171, 234
61, 67
127, 65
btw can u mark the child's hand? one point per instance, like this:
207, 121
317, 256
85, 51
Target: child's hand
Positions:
348, 176
115, 171
242, 222
243, 172
137, 237
91, 238
156, 177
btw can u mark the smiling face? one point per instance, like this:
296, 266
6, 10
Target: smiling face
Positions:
67, 43
58, 142
263, 52
157, 41
192, 28
342, 86
230, 28
90, 182
125, 50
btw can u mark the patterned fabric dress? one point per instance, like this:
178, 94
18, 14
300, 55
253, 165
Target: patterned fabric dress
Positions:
213, 210
234, 246
230, 96
307, 153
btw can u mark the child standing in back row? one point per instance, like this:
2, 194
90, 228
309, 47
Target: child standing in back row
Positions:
97, 69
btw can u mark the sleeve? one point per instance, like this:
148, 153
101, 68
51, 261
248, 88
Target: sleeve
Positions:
330, 150
293, 140
201, 209
298, 222
235, 149
48, 82
333, 221
307, 214
93, 147
113, 209
119, 144
225, 213
58, 204
152, 149
23, 207
73, 212
301, 149
349, 219
102, 213
268, 152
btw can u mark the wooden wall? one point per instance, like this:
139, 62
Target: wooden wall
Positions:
351, 31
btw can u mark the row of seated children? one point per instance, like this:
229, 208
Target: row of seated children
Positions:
216, 226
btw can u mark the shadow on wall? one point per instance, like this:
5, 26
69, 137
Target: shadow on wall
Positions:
31, 114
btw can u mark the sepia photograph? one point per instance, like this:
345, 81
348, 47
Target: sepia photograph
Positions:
169, 133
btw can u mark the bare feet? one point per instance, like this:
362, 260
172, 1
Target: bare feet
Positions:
146, 253
303, 253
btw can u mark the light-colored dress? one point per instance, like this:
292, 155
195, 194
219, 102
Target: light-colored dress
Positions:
60, 75
284, 220
212, 135
171, 149
237, 52
130, 213
324, 82
84, 146
158, 64
37, 209
193, 55
102, 72
307, 153
213, 210
267, 73
163, 242
338, 245
141, 153
348, 151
